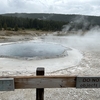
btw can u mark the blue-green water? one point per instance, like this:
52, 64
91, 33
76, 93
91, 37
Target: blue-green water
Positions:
32, 49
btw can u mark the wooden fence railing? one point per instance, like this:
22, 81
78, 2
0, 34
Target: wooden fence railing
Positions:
40, 82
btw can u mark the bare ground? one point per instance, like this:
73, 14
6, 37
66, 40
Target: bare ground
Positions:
89, 66
13, 36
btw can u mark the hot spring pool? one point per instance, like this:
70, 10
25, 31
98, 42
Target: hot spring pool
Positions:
33, 54
33, 50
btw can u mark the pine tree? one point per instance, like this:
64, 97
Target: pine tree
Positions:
0, 27
5, 26
16, 28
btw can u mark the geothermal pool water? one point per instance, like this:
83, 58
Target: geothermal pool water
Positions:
33, 54
33, 49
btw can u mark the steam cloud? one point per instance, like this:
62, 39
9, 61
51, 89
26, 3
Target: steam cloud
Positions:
80, 39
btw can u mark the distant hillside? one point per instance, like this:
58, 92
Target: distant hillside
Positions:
42, 16
51, 22
57, 17
14, 23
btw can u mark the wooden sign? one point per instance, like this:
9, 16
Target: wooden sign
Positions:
7, 84
88, 82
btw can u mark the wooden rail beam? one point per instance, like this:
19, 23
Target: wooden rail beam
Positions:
25, 82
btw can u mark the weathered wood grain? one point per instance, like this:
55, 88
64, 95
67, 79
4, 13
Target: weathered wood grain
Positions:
25, 82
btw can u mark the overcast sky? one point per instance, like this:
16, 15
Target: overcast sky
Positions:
84, 7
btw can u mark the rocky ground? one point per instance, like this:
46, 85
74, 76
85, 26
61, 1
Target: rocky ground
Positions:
89, 66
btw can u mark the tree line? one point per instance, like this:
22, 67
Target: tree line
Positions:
15, 23
8, 23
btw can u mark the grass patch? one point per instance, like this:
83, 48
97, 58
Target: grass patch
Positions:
11, 33
24, 32
1, 37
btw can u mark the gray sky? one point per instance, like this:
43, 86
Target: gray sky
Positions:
84, 7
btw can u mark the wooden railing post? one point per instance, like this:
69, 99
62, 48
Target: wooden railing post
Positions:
40, 91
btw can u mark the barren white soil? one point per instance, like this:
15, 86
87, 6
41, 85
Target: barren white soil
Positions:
89, 46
